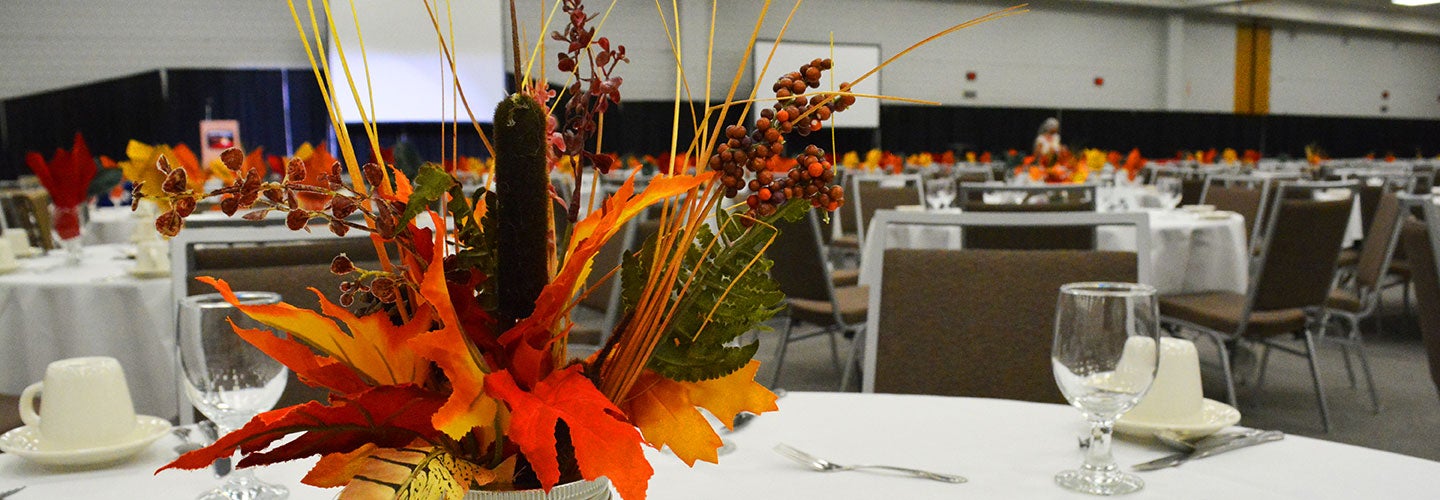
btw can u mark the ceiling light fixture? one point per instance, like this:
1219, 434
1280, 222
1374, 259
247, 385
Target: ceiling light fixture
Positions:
1414, 3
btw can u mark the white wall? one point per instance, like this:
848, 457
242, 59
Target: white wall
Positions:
1318, 71
1047, 58
50, 44
1209, 74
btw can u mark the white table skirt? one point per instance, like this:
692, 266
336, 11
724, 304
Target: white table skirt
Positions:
1007, 449
50, 311
1189, 253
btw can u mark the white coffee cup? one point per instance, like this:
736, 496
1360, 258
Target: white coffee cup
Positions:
1175, 396
86, 404
19, 241
7, 255
152, 256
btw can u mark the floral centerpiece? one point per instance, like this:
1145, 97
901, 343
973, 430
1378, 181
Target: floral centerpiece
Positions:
448, 366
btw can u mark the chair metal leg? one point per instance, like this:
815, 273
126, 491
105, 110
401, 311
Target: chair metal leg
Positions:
1225, 366
1345, 351
1359, 344
1310, 353
835, 348
780, 352
852, 358
1264, 362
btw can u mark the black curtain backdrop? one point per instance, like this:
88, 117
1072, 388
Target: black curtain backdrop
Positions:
109, 113
153, 108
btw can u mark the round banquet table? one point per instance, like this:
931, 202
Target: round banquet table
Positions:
50, 310
1189, 253
1008, 449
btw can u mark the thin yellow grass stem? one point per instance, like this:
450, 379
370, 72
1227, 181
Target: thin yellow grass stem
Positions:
463, 100
1018, 9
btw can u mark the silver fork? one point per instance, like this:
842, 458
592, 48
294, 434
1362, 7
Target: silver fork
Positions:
7, 494
823, 465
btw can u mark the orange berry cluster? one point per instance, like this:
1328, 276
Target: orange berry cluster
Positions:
812, 176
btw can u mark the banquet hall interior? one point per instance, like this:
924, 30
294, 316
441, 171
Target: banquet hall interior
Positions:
1264, 169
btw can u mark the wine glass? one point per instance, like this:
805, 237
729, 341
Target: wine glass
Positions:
227, 379
1105, 355
1171, 191
940, 193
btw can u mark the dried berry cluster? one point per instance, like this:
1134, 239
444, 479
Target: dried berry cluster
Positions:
812, 177
326, 197
336, 201
592, 93
385, 287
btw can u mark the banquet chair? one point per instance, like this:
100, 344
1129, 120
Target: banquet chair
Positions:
29, 212
1291, 277
267, 258
1421, 240
1246, 195
1070, 198
1359, 298
870, 193
971, 173
811, 296
987, 331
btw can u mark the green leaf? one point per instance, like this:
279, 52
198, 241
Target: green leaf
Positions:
729, 293
430, 184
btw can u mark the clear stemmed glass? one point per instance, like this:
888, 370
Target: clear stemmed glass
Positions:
227, 379
1171, 191
1105, 355
940, 193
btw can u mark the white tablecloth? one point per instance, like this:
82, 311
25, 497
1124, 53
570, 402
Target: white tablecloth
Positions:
1007, 449
50, 310
1190, 253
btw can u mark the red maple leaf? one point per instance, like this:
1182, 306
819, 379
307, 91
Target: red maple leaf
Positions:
386, 416
605, 444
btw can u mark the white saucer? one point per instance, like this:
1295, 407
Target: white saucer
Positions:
24, 442
9, 269
149, 273
28, 252
1219, 215
1212, 417
1198, 209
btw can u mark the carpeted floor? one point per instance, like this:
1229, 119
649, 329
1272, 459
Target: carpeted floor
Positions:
1408, 421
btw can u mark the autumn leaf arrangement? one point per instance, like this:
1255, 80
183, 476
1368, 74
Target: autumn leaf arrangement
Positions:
447, 366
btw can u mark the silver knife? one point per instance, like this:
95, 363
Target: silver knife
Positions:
1180, 458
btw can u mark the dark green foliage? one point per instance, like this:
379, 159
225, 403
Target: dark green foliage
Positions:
694, 349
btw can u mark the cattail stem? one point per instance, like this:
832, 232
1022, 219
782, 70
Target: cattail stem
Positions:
523, 209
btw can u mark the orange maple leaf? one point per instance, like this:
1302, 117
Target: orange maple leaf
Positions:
375, 348
605, 444
468, 406
338, 469
664, 410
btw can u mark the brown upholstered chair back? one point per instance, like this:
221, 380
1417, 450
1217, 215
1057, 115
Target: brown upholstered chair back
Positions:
799, 267
1239, 199
1033, 237
1380, 241
1427, 289
872, 197
1191, 189
984, 331
848, 224
1303, 246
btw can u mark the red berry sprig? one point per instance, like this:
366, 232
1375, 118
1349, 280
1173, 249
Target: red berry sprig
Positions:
812, 177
